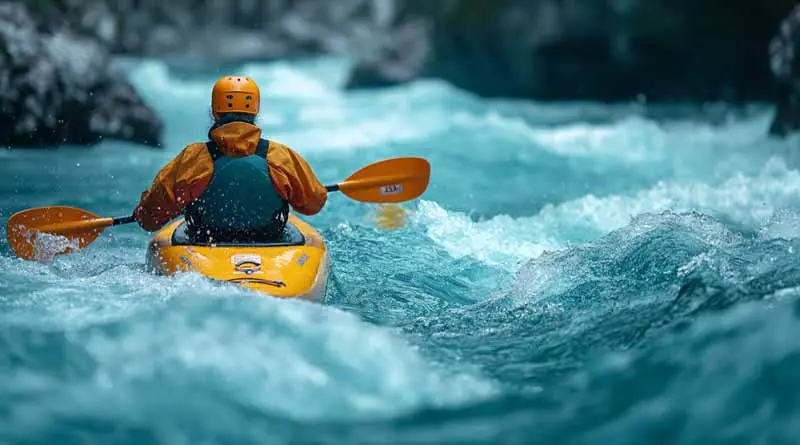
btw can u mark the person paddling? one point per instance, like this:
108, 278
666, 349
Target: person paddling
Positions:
237, 186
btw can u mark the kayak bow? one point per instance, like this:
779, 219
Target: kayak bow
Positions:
296, 266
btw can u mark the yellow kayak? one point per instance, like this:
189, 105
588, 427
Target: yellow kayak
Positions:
294, 267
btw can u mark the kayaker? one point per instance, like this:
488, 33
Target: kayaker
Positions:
236, 186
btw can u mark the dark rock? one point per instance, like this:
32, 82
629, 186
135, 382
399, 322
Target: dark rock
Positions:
601, 50
219, 32
785, 65
663, 50
58, 88
401, 57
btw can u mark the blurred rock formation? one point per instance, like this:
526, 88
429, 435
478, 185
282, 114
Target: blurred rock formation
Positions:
785, 65
609, 50
543, 49
56, 87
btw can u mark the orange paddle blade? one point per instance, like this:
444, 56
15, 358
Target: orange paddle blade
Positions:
392, 180
43, 232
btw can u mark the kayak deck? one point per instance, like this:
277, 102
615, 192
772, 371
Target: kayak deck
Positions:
296, 266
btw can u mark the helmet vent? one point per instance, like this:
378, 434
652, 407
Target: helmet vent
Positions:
235, 93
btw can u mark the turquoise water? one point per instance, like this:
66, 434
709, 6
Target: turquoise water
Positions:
575, 274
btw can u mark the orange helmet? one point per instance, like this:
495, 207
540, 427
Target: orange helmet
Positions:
235, 94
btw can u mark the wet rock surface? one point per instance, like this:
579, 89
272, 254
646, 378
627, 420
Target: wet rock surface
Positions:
542, 49
785, 66
57, 87
602, 50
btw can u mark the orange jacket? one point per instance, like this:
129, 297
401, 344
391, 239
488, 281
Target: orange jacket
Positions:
185, 178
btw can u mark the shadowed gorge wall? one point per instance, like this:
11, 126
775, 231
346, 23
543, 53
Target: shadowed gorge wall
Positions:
546, 49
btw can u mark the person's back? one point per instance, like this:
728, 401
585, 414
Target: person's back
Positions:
237, 185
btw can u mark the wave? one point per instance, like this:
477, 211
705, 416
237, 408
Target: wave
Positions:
138, 343
745, 200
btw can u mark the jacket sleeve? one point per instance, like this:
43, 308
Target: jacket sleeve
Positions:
295, 180
177, 184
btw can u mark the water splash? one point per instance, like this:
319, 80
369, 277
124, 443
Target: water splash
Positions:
567, 278
47, 246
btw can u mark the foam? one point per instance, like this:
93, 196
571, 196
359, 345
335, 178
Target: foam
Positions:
633, 140
504, 240
190, 338
276, 79
499, 241
784, 224
279, 356
629, 140
360, 134
745, 199
321, 80
289, 357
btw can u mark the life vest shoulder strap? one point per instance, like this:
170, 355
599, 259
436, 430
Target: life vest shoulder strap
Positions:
263, 148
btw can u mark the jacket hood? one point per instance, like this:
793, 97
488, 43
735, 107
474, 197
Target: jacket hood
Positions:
237, 139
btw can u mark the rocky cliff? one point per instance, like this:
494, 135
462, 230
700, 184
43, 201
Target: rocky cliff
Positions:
543, 49
586, 49
56, 87
785, 64
221, 31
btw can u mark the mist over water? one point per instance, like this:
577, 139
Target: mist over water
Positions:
576, 273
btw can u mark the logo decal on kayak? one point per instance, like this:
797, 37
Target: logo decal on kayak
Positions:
247, 264
393, 189
302, 260
186, 262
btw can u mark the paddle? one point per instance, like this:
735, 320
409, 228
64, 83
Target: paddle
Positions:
386, 182
389, 181
79, 227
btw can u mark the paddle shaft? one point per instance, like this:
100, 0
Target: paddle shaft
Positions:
85, 226
101, 223
391, 180
348, 184
123, 220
